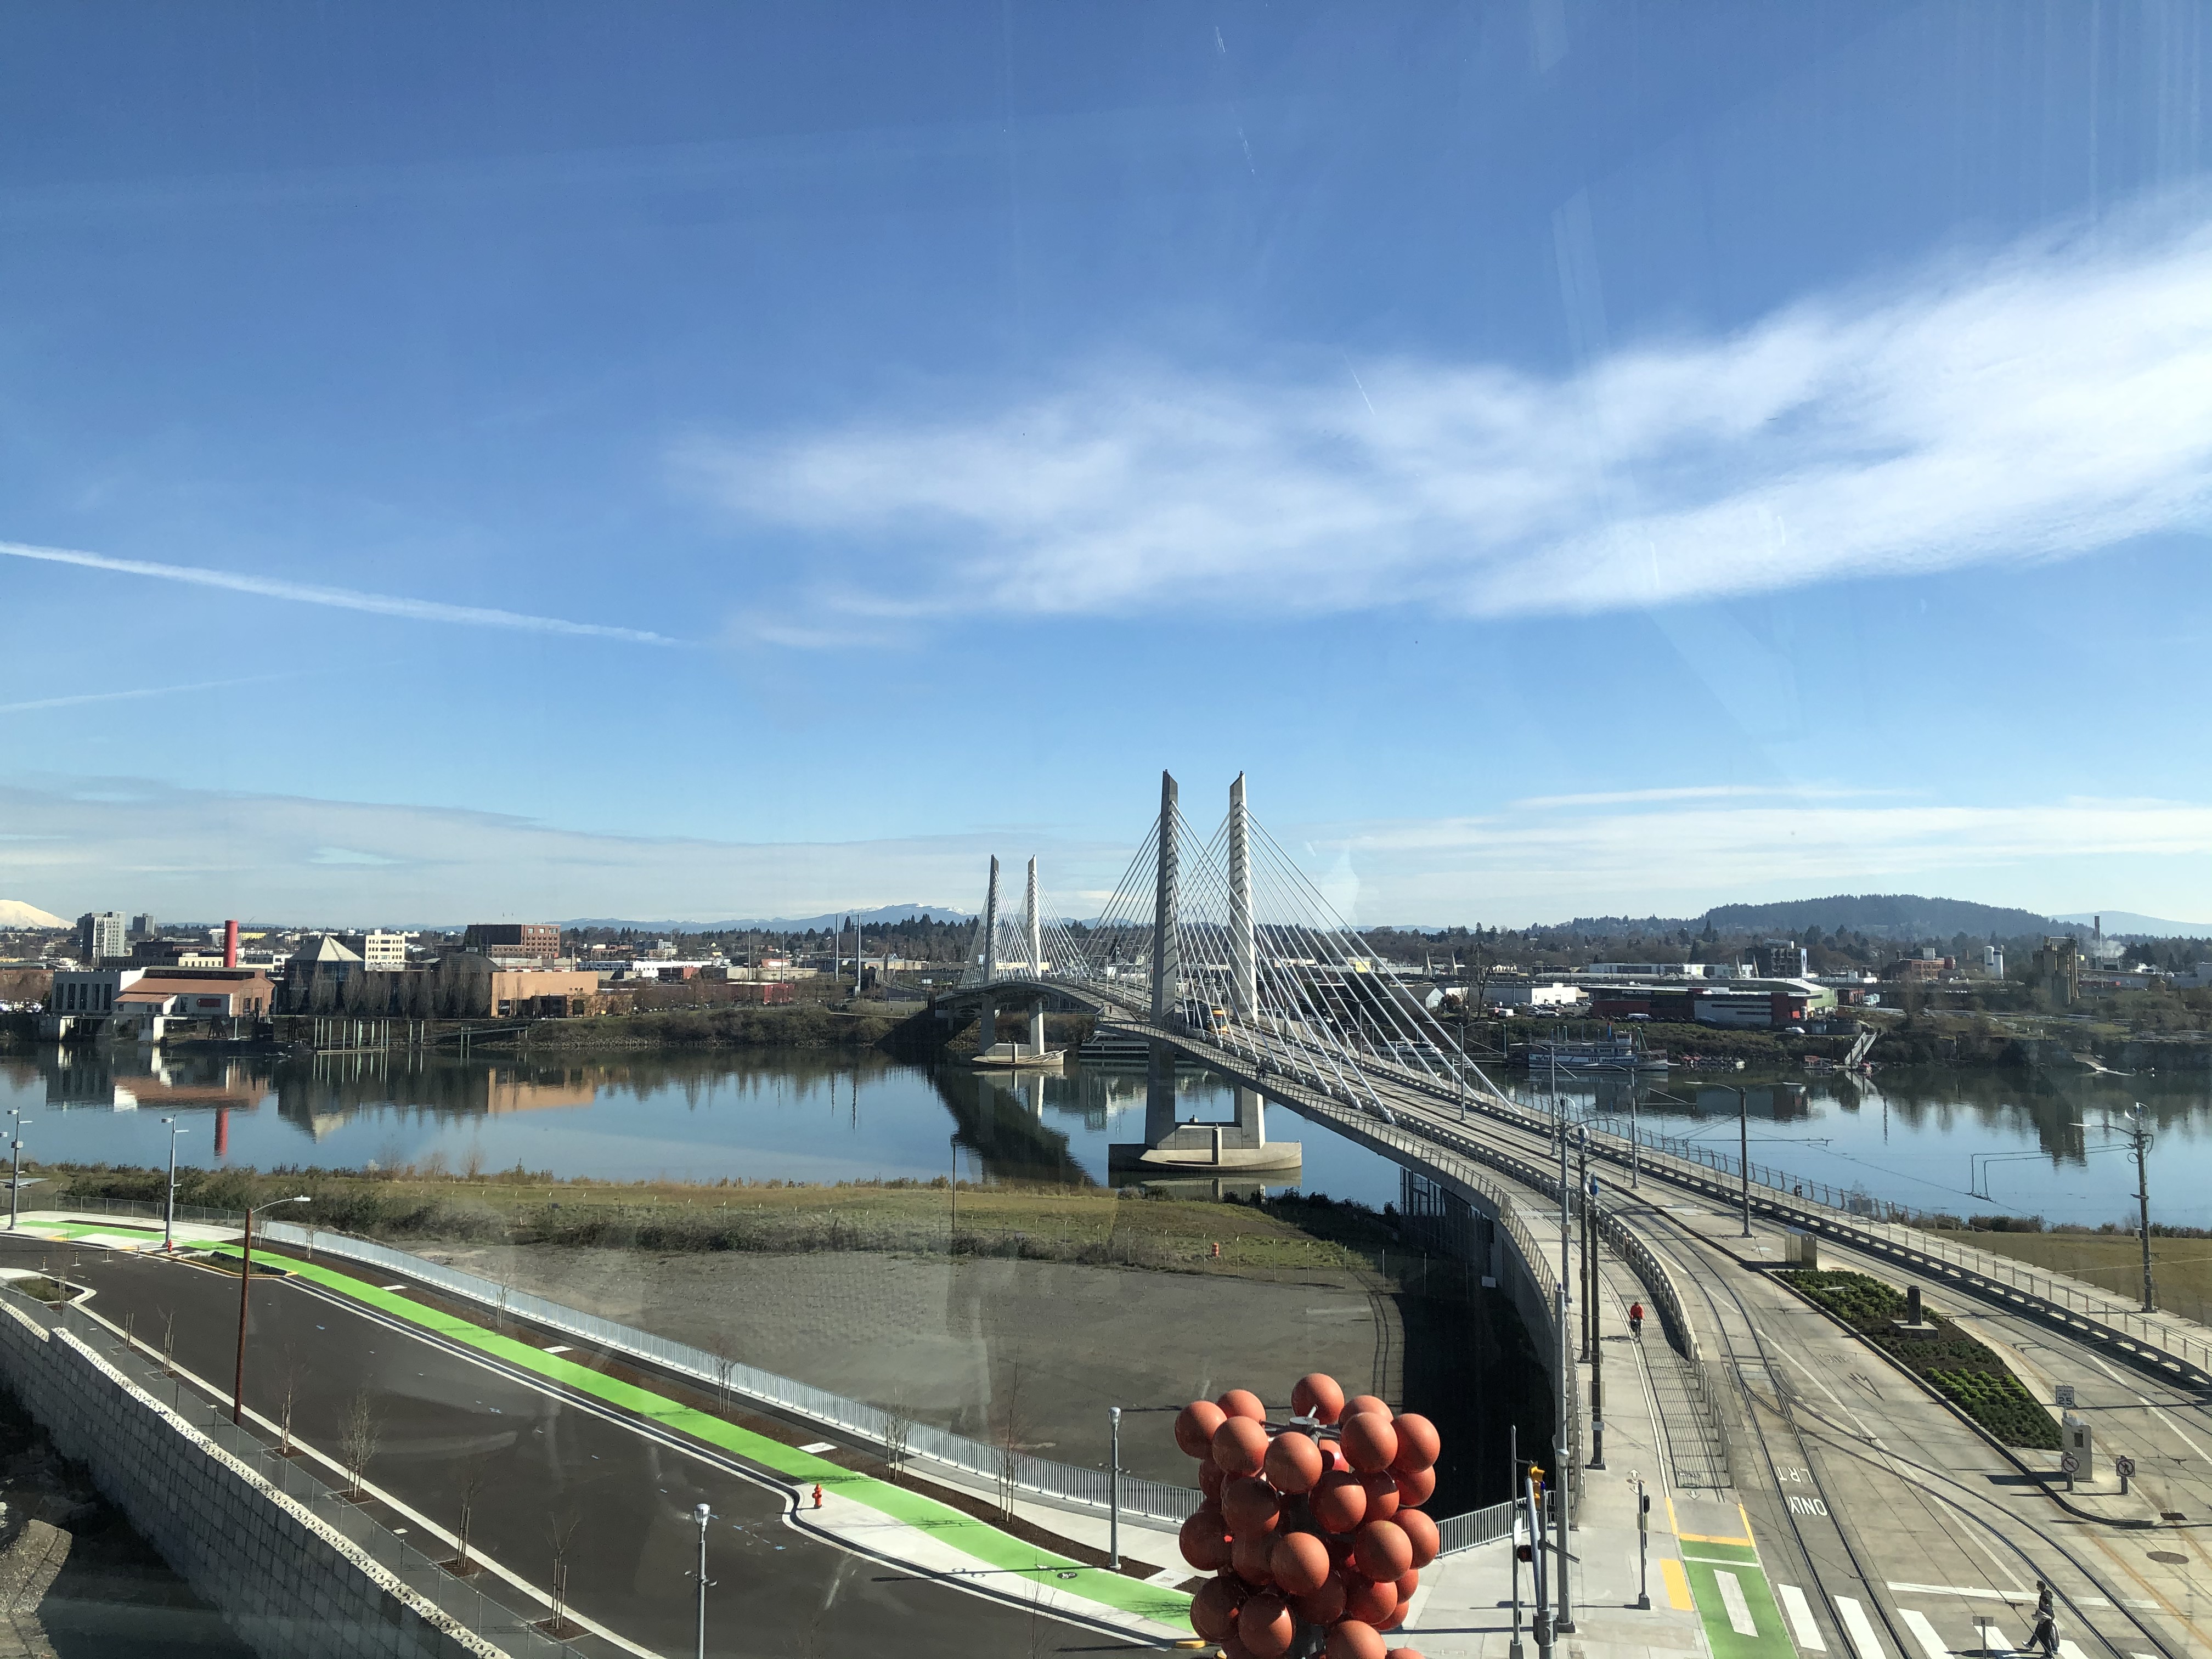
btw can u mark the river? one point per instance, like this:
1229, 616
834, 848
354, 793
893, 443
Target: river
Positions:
1936, 1139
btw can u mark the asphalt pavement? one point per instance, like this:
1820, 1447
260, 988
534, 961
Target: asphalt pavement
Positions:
554, 1474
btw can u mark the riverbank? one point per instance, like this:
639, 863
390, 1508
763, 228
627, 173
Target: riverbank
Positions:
1282, 1239
2181, 1268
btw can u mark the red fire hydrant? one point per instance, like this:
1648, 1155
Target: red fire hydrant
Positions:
817, 1494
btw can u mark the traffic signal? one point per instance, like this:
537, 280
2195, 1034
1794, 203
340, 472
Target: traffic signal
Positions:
1524, 1552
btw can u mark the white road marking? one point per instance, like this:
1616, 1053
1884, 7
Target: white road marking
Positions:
1801, 1619
2067, 1650
1924, 1634
820, 1446
392, 1287
2155, 1411
1864, 1643
2018, 1597
1739, 1610
559, 1347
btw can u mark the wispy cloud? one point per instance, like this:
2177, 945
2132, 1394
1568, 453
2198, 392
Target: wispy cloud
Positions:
1693, 792
71, 701
344, 599
2046, 403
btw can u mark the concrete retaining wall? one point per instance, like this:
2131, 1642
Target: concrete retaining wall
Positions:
285, 1580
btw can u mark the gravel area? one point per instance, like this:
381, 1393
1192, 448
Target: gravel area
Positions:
964, 1345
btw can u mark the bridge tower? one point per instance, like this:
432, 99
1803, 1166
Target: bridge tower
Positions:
1033, 924
986, 1033
1167, 975
1243, 958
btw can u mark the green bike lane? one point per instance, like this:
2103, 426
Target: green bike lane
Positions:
998, 1551
1735, 1601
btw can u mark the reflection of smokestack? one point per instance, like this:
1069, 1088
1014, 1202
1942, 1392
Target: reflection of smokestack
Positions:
230, 944
223, 1127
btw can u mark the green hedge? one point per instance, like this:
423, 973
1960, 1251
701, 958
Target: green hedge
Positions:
1968, 1372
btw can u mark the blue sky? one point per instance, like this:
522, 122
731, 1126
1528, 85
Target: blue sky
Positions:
539, 460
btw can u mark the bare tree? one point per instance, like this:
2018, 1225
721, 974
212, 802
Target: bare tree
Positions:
169, 1342
461, 1566
725, 1367
898, 1430
1013, 1431
284, 1446
357, 1441
561, 1536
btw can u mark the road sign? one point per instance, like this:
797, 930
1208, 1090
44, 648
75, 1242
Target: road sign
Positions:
2068, 1463
2123, 1466
2064, 1392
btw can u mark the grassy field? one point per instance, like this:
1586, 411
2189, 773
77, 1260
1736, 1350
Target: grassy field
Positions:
2181, 1268
1089, 1224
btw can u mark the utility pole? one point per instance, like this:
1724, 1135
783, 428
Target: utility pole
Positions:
1597, 1336
15, 1183
1563, 1461
1114, 1490
169, 1210
1743, 1148
2141, 1137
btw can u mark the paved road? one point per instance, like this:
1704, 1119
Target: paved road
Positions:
547, 1463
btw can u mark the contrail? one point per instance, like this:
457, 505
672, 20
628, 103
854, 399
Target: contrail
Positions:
148, 691
345, 598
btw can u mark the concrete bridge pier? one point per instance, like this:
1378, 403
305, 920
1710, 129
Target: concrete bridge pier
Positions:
1036, 1027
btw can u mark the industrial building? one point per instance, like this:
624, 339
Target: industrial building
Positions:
506, 941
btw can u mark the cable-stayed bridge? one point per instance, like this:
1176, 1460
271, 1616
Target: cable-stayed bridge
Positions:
1215, 948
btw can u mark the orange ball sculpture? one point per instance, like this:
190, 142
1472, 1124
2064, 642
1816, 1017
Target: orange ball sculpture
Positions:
1299, 1564
1194, 1425
1294, 1464
1313, 1530
1264, 1625
1240, 1446
1354, 1639
1316, 1395
1370, 1443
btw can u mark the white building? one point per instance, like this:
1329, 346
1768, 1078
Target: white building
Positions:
102, 933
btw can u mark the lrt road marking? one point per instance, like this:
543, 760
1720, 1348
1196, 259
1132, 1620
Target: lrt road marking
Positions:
1739, 1610
1801, 1619
2018, 1598
1856, 1625
1924, 1634
820, 1446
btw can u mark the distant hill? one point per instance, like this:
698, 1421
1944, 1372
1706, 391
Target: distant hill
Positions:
2127, 922
882, 915
1880, 915
14, 913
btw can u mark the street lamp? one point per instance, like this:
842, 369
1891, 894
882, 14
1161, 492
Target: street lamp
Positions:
246, 1278
169, 1210
952, 1239
702, 1514
15, 1182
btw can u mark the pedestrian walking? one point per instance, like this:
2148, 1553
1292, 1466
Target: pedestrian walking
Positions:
2045, 1633
1636, 1319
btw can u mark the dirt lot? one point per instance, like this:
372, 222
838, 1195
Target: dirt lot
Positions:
968, 1343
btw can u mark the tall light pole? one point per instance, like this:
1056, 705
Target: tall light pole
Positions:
169, 1210
1114, 1489
952, 1239
15, 1182
1743, 1148
2141, 1139
246, 1278
703, 1513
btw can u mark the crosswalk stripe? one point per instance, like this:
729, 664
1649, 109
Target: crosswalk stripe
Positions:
2067, 1650
1739, 1610
1924, 1634
1864, 1643
1801, 1619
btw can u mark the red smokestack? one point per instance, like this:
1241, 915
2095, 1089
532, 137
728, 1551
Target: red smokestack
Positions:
230, 944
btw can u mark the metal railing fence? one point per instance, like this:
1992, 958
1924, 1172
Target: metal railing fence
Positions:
1483, 1526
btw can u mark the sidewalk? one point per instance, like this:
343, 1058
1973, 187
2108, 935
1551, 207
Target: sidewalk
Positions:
1464, 1609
